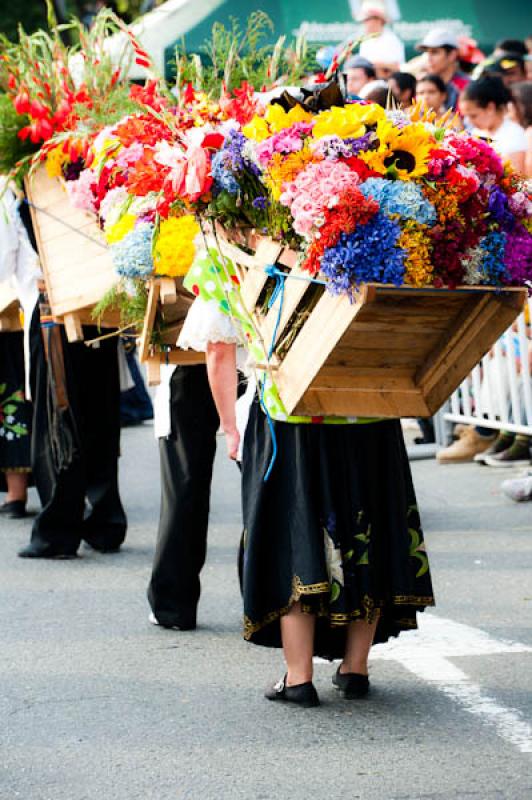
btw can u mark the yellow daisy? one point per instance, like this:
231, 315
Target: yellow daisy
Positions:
351, 121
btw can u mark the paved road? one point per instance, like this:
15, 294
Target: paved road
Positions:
95, 704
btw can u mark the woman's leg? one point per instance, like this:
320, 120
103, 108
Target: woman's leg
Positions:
359, 640
297, 632
17, 486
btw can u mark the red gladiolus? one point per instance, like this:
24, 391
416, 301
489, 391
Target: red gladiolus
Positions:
38, 110
213, 141
45, 129
22, 102
11, 82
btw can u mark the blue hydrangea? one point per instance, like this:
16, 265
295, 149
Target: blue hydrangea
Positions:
369, 254
404, 198
132, 255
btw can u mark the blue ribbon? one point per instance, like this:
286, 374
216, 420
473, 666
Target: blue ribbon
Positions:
272, 271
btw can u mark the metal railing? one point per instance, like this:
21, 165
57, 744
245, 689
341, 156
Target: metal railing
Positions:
498, 393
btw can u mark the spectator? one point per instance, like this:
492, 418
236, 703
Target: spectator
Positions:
521, 112
441, 50
485, 103
432, 91
383, 49
376, 92
403, 86
358, 72
510, 67
510, 46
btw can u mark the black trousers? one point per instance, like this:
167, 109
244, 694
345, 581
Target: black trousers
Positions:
92, 383
186, 457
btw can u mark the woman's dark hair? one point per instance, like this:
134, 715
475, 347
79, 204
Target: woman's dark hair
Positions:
522, 95
436, 81
512, 46
405, 81
378, 95
488, 89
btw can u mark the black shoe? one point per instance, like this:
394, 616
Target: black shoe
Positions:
36, 551
102, 547
15, 509
352, 684
304, 694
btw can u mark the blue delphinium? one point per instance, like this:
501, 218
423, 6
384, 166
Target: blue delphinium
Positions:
400, 197
132, 255
492, 267
369, 254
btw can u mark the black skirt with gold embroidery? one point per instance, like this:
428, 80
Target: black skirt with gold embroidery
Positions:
15, 411
336, 526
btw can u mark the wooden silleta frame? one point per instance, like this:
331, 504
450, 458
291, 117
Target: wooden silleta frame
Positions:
393, 352
75, 259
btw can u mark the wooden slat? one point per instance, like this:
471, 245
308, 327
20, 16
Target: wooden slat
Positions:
312, 345
149, 318
370, 403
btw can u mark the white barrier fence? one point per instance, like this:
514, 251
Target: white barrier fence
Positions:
498, 393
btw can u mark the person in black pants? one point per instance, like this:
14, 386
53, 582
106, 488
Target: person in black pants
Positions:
75, 445
186, 457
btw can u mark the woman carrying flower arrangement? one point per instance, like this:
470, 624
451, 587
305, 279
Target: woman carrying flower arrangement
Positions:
334, 553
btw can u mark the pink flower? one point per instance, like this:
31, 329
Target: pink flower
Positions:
82, 192
315, 189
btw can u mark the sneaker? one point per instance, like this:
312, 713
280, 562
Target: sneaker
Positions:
14, 509
502, 442
518, 489
517, 455
465, 448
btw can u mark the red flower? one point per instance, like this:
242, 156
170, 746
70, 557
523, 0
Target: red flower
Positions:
22, 102
213, 141
147, 176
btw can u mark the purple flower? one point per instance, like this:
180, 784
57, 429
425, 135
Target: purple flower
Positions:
261, 203
518, 255
72, 171
498, 207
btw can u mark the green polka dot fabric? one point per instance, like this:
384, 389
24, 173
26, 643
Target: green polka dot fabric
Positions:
212, 278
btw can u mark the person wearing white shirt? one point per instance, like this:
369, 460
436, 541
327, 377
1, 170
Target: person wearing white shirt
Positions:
383, 48
485, 103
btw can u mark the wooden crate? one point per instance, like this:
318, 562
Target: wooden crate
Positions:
75, 259
9, 309
168, 305
394, 352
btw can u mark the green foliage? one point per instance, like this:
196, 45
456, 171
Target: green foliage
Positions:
232, 56
131, 303
12, 149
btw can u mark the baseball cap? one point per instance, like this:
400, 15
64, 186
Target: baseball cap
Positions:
438, 37
357, 61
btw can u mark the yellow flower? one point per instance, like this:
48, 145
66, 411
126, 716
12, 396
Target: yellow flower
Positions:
54, 162
174, 249
278, 118
351, 121
257, 129
406, 150
116, 232
284, 168
416, 241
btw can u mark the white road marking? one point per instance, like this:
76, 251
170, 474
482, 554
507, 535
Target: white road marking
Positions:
426, 653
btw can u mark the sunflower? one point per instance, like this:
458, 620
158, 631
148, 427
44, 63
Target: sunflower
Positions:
408, 150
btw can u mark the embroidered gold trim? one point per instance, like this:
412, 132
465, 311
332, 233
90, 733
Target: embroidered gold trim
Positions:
369, 613
18, 470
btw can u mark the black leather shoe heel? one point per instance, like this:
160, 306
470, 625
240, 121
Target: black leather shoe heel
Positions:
352, 684
304, 694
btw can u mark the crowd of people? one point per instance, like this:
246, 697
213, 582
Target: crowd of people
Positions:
332, 553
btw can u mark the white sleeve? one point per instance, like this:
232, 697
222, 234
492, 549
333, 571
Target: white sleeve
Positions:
9, 236
206, 323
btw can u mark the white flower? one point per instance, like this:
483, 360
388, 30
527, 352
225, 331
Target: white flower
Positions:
333, 560
10, 435
10, 420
